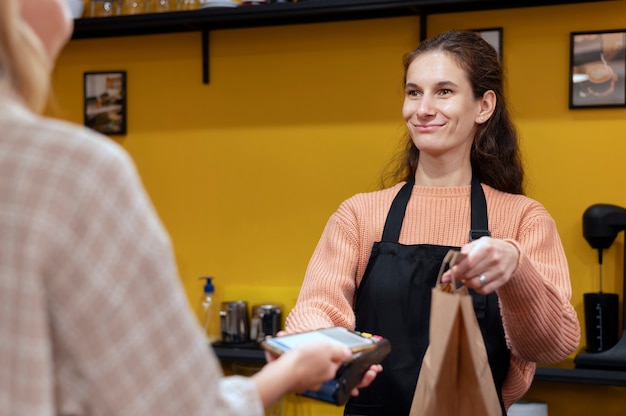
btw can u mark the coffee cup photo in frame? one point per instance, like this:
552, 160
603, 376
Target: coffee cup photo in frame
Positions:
492, 36
597, 69
105, 101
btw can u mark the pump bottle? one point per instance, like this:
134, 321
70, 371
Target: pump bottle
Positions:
206, 303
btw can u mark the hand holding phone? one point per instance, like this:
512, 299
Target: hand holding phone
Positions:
367, 349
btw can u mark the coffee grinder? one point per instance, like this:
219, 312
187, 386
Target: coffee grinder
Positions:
601, 224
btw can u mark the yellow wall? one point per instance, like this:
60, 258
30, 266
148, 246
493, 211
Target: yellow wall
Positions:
246, 170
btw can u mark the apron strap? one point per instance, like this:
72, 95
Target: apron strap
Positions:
480, 223
479, 228
393, 224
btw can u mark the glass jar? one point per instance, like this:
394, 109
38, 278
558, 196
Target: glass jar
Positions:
188, 4
104, 8
159, 6
135, 6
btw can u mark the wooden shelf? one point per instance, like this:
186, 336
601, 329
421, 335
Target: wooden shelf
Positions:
310, 11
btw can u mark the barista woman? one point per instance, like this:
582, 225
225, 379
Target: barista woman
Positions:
459, 186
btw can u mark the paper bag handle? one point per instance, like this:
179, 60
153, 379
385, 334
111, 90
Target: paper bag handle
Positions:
451, 258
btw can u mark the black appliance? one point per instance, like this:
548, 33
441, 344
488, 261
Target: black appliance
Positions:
601, 224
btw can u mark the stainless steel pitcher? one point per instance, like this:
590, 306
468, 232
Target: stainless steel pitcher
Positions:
234, 322
266, 320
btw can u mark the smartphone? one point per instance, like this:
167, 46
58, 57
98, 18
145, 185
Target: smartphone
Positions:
356, 341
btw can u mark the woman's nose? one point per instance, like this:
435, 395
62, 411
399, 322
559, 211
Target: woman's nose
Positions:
425, 107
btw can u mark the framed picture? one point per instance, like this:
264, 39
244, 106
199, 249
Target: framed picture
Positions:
597, 66
493, 36
105, 101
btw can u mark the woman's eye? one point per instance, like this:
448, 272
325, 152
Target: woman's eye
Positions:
412, 93
445, 91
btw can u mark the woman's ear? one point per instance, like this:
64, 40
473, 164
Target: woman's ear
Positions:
487, 106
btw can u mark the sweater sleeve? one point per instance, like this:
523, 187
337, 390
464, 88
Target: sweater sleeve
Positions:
540, 322
327, 293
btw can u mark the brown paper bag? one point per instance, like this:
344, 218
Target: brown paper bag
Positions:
455, 379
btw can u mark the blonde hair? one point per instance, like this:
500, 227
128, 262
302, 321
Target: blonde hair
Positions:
23, 62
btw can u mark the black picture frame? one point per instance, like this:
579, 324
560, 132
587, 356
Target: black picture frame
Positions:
597, 69
493, 36
105, 101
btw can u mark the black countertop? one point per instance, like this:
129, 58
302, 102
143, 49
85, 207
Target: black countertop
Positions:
247, 352
564, 372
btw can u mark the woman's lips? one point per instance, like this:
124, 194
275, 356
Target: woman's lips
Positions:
427, 128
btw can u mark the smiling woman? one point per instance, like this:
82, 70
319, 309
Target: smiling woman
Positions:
458, 185
441, 111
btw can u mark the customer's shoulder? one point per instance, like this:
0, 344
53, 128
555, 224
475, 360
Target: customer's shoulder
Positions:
54, 139
80, 139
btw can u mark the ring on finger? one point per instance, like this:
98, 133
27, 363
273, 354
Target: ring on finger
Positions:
482, 279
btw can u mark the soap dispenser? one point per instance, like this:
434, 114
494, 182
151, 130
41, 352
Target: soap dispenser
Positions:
205, 310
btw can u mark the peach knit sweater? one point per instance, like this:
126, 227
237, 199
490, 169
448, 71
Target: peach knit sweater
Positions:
540, 323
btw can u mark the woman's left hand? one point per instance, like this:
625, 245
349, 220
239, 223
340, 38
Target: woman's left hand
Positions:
488, 265
367, 379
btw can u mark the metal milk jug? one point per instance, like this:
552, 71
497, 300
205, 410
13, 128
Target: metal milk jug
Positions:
234, 321
266, 320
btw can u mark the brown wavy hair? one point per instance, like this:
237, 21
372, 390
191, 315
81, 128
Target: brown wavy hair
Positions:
495, 155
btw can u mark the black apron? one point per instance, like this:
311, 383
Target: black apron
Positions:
393, 300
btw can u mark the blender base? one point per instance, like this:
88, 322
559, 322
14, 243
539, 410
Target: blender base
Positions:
611, 359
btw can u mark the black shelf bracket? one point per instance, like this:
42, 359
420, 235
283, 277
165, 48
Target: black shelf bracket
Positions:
423, 27
205, 56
